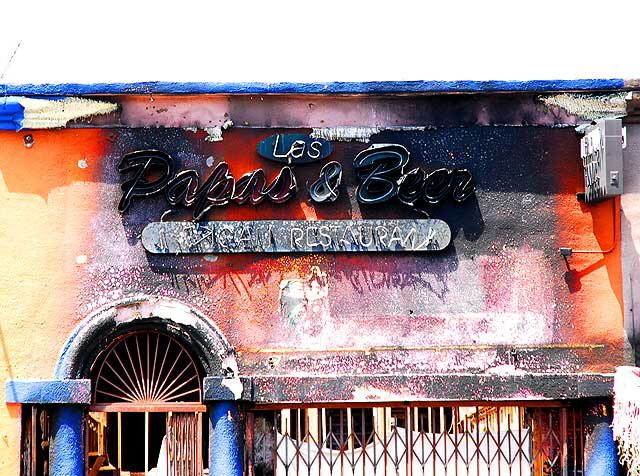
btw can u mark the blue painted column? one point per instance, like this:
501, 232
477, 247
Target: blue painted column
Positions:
66, 451
225, 440
600, 455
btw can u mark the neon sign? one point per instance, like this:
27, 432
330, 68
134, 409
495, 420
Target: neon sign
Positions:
380, 170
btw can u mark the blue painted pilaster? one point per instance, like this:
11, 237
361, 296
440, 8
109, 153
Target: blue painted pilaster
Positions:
600, 458
225, 440
66, 452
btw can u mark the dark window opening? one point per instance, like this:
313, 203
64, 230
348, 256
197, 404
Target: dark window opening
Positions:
131, 442
147, 411
36, 428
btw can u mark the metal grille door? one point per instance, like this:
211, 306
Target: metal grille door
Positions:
412, 440
184, 446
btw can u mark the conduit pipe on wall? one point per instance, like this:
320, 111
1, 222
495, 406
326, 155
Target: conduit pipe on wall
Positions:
566, 252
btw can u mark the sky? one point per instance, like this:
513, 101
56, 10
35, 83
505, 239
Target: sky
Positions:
317, 41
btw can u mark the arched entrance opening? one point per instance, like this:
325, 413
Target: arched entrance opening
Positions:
99, 330
164, 400
146, 412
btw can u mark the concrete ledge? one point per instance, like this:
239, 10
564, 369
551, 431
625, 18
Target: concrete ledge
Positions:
433, 387
350, 388
76, 391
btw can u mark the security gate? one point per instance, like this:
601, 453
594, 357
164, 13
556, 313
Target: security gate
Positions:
451, 440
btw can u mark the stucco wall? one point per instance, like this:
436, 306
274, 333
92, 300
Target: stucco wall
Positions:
500, 299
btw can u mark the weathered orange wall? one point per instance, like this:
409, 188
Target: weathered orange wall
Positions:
46, 203
64, 251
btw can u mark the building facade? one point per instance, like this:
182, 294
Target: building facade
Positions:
385, 278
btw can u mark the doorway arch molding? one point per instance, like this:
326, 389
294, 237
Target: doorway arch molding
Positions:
98, 329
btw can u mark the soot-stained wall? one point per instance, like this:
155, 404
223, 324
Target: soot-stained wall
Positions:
498, 299
499, 296
499, 291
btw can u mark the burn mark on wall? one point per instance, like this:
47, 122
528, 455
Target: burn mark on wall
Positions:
426, 387
478, 359
496, 275
341, 111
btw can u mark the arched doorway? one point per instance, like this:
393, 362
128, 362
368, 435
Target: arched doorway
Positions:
172, 326
146, 412
96, 332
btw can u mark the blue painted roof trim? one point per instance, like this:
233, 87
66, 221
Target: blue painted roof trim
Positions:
372, 87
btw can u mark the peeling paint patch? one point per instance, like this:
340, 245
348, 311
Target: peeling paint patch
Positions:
176, 312
170, 310
356, 133
230, 365
305, 303
505, 369
588, 106
232, 381
214, 134
369, 392
48, 114
292, 299
345, 133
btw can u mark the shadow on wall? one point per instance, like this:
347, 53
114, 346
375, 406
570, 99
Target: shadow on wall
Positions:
607, 252
194, 274
467, 220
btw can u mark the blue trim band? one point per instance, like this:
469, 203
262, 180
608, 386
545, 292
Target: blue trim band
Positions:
369, 87
48, 391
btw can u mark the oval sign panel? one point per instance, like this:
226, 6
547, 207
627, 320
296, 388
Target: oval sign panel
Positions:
296, 236
294, 148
